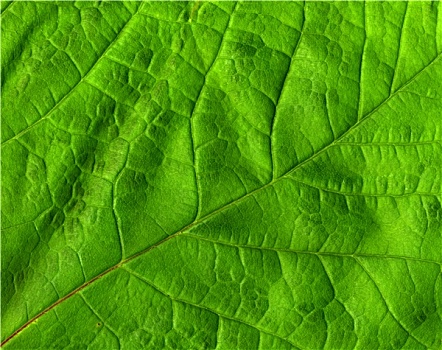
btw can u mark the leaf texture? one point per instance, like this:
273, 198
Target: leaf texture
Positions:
201, 175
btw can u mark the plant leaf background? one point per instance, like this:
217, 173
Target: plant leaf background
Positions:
199, 175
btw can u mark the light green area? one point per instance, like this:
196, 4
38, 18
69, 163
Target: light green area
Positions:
243, 175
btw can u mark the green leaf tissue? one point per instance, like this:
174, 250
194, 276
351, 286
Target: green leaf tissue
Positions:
221, 175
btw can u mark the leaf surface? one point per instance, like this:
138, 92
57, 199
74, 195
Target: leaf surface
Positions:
198, 175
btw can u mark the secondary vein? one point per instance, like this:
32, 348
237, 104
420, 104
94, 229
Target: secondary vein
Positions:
71, 90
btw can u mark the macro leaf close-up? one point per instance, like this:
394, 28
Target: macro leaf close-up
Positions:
221, 175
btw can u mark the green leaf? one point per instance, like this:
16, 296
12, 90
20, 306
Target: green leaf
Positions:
197, 175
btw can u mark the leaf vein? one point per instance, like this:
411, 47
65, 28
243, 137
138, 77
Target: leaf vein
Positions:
319, 253
192, 127
272, 122
71, 90
386, 304
141, 278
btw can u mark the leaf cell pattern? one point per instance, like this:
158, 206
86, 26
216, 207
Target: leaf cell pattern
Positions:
201, 175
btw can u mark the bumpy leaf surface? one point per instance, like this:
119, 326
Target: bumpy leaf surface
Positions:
199, 175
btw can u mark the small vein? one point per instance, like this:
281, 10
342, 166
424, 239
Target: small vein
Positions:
117, 224
7, 8
306, 252
386, 304
394, 144
359, 109
114, 199
361, 194
159, 19
334, 295
399, 49
192, 127
100, 318
142, 279
272, 122
69, 93
218, 328
29, 221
